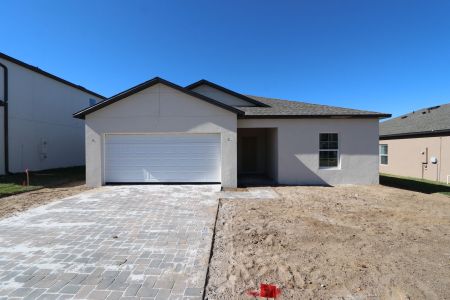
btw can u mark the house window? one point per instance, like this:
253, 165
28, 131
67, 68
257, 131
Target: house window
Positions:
92, 102
384, 154
328, 150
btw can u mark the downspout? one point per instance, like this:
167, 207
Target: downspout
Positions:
5, 117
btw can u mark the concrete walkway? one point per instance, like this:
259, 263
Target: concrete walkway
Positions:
117, 242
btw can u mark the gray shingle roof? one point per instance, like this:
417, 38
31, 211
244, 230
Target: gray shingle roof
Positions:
286, 108
423, 121
264, 107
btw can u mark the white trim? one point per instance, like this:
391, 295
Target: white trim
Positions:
384, 155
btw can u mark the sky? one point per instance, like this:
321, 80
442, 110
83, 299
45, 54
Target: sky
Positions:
387, 56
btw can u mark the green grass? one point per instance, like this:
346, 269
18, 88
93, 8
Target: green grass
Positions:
415, 184
14, 183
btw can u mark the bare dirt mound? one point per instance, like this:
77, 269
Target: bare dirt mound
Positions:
369, 242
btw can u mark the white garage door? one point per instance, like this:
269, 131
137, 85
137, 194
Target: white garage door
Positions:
162, 158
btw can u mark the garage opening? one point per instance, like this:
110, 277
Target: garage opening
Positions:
162, 158
257, 156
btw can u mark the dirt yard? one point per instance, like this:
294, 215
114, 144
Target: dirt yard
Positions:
17, 203
365, 242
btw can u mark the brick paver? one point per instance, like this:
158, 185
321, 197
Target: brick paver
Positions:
111, 243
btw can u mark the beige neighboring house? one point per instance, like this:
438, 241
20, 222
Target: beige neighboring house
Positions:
417, 144
160, 132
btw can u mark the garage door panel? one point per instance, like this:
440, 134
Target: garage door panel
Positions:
180, 151
162, 158
163, 139
162, 176
164, 149
197, 164
160, 168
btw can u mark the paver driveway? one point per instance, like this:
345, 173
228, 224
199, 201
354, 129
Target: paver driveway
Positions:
110, 243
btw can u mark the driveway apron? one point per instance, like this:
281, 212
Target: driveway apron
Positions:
130, 242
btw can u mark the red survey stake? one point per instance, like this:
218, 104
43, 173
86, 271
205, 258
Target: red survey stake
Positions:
266, 291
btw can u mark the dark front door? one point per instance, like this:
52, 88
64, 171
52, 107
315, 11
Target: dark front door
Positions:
249, 154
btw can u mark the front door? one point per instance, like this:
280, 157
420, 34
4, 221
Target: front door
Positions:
249, 154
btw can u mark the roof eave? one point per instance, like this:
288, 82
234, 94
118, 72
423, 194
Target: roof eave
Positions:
430, 133
340, 116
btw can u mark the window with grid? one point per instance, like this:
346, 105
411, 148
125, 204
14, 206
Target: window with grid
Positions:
384, 154
328, 150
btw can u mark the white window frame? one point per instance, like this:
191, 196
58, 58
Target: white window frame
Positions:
385, 155
338, 157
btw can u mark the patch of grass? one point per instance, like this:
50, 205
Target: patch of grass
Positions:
14, 183
415, 184
8, 189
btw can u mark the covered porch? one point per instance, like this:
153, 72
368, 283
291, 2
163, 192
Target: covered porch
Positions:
257, 156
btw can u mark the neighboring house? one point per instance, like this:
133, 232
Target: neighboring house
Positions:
417, 144
37, 129
161, 132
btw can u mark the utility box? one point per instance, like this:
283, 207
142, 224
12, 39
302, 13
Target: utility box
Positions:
424, 156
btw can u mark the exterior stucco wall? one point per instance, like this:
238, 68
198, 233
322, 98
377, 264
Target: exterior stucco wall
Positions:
298, 150
215, 94
160, 109
272, 155
42, 132
406, 157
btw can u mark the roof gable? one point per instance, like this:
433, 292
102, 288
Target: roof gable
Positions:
140, 87
244, 99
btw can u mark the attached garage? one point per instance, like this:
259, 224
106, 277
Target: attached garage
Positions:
162, 158
159, 132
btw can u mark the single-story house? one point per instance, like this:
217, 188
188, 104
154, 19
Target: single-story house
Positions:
417, 144
161, 132
38, 131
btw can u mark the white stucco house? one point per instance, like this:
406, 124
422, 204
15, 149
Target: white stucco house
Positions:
160, 132
38, 131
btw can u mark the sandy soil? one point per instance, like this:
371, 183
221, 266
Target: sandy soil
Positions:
365, 242
17, 203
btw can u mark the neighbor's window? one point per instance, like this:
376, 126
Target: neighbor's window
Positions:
384, 154
328, 150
